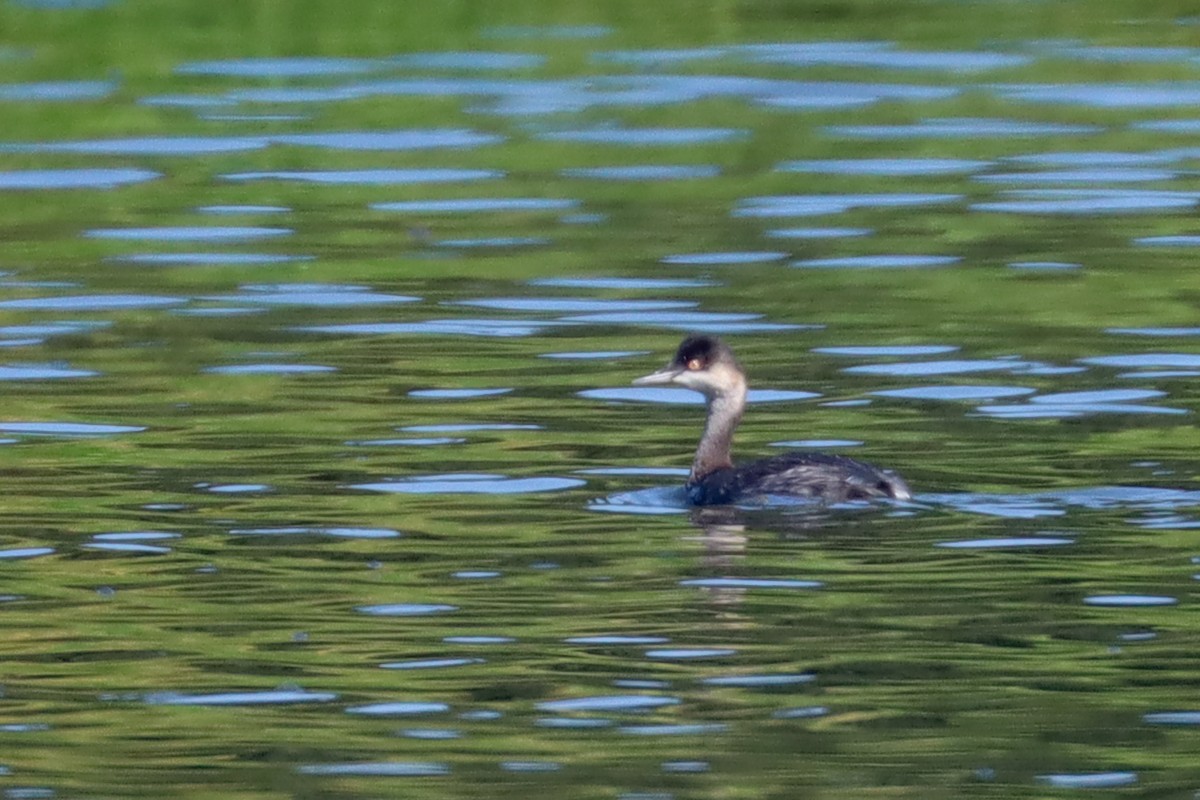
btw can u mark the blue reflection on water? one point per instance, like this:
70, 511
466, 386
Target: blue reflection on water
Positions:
371, 176
208, 259
57, 91
878, 262
961, 128
646, 136
67, 428
477, 205
1089, 780
805, 205
188, 233
93, 302
317, 295
885, 167
239, 698
473, 484
298, 67
1106, 95
1089, 201
626, 702
724, 258
391, 769
644, 172
85, 178
572, 304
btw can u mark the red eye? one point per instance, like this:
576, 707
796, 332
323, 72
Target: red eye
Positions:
693, 364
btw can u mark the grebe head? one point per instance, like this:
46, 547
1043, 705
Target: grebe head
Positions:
703, 364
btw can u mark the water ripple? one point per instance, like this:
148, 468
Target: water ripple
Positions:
1129, 600
70, 429
415, 139
683, 729
208, 259
388, 769
875, 351
337, 532
1089, 780
690, 653
1007, 543
713, 322
645, 137
93, 302
25, 552
885, 167
317, 295
1164, 332
370, 177
458, 394
42, 373
1089, 201
281, 696
224, 233
1080, 176
572, 304
807, 205
406, 609
501, 328
760, 681
478, 205
56, 91
751, 583
623, 283
269, 369
722, 259
431, 663
127, 548
146, 146
645, 172
1172, 718
625, 702
470, 484
885, 261
1041, 504
617, 640
947, 367
297, 67
1179, 94
1168, 241
960, 128
470, 426
672, 396
95, 178
1048, 410
954, 393
817, 233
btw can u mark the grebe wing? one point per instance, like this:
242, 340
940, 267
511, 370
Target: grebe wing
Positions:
829, 477
818, 476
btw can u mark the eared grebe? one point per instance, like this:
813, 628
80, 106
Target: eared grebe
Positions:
705, 364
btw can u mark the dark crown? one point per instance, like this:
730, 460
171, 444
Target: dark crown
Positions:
705, 349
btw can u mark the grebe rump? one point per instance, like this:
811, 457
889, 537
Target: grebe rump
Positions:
705, 364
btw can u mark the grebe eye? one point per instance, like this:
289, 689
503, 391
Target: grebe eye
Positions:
693, 364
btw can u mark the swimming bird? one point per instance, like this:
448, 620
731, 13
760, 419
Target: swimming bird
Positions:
706, 365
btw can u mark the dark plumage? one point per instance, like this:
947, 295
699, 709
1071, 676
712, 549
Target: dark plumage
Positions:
706, 364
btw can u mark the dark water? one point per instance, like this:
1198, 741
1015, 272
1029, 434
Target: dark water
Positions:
324, 473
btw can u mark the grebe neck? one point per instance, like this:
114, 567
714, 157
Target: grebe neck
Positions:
724, 414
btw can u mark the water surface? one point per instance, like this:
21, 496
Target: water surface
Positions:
325, 476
